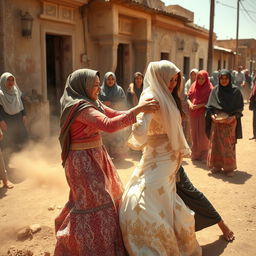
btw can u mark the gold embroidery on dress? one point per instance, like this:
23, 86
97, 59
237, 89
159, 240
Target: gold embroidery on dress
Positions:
137, 209
155, 127
158, 238
186, 240
161, 191
161, 214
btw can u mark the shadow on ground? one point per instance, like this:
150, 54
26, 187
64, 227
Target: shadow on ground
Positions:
239, 178
216, 248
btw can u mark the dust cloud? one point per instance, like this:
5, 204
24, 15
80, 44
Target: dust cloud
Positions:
41, 163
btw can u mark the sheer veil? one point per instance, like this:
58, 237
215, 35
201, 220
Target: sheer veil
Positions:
157, 77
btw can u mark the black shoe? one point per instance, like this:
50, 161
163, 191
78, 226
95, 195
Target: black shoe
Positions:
252, 138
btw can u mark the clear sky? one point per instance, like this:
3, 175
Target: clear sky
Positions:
225, 16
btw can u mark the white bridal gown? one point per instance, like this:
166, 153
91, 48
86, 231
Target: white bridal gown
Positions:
153, 218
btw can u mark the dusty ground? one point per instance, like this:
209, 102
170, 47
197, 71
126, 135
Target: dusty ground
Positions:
40, 184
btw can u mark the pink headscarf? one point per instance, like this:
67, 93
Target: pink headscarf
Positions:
199, 94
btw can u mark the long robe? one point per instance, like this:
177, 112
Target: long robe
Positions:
153, 218
88, 225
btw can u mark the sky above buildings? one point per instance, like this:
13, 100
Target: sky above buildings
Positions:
225, 16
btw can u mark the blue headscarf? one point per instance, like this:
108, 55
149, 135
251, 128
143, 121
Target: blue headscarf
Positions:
114, 93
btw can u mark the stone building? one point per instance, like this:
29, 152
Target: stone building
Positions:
246, 55
107, 35
223, 58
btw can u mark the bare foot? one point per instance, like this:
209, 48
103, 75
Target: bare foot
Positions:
227, 233
8, 185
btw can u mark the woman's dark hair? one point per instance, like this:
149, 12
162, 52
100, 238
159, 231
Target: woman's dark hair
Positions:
175, 94
136, 74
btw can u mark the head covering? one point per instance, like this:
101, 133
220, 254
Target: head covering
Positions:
227, 99
195, 70
215, 77
73, 100
156, 81
189, 82
199, 94
10, 100
114, 93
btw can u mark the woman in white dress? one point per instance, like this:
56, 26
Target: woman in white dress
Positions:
153, 218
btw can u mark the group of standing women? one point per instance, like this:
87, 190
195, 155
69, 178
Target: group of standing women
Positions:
215, 118
13, 132
149, 217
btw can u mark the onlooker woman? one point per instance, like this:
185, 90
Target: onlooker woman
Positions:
153, 218
191, 80
185, 106
247, 85
223, 124
215, 77
113, 95
252, 107
88, 225
135, 89
197, 99
12, 114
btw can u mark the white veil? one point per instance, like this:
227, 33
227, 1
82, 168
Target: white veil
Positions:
157, 77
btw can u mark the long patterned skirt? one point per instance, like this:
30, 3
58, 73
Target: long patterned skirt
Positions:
88, 225
222, 149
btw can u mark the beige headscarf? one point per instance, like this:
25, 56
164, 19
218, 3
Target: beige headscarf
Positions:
10, 99
157, 77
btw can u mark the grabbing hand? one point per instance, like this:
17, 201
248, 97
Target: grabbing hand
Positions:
149, 105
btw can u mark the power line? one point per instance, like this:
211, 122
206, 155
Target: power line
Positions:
247, 12
233, 7
252, 5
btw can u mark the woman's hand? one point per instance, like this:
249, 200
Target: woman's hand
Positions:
3, 125
146, 106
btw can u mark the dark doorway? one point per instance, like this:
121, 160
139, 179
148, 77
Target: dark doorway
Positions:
164, 56
186, 67
58, 66
201, 63
120, 64
122, 67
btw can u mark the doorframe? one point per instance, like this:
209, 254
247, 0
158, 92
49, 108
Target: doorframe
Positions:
58, 30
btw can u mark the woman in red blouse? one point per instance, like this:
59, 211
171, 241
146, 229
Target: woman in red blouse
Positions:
88, 224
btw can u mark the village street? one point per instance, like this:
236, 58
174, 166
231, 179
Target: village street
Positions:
40, 191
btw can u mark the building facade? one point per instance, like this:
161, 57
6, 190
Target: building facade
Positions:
122, 36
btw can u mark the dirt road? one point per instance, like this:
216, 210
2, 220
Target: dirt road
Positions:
40, 189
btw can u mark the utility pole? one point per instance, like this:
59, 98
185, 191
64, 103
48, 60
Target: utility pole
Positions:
237, 32
210, 40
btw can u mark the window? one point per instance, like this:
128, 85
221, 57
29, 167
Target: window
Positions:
219, 64
164, 56
201, 63
186, 68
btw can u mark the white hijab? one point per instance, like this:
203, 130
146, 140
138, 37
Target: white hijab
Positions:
10, 99
157, 78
